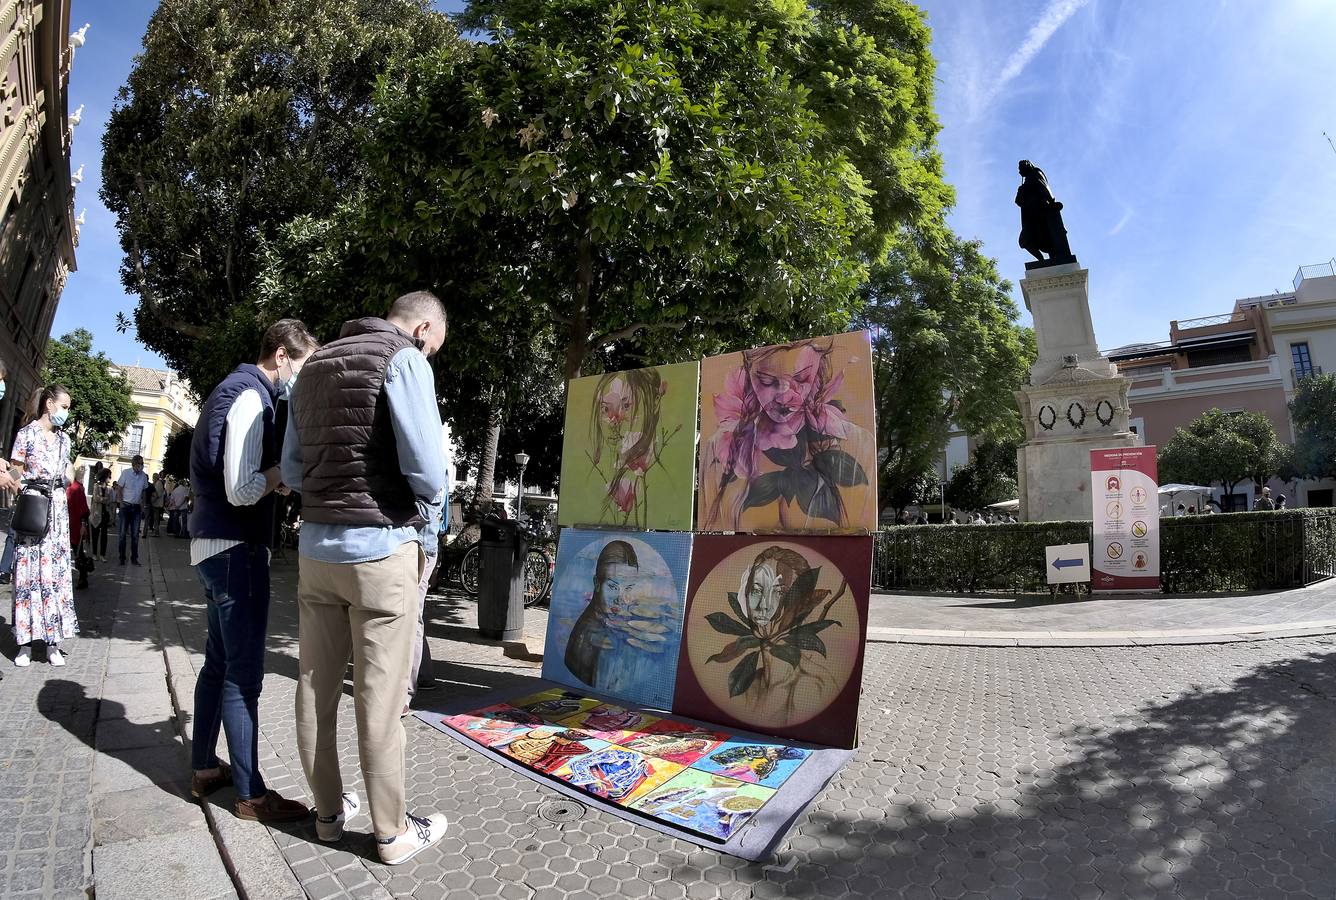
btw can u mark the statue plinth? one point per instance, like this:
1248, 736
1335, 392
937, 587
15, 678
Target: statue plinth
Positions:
1075, 402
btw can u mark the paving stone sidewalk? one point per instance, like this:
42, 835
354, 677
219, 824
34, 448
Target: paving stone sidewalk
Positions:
984, 772
1109, 619
94, 784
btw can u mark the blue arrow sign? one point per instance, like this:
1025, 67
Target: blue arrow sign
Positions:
1065, 563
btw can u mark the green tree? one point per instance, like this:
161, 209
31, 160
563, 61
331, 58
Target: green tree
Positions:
1222, 447
1313, 411
236, 118
607, 184
100, 404
176, 458
988, 478
948, 353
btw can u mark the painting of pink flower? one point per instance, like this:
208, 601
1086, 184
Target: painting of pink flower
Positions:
623, 493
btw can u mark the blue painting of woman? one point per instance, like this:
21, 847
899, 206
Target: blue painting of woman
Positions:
617, 615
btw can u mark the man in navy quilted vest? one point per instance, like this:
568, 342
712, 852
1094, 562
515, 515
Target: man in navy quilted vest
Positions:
235, 475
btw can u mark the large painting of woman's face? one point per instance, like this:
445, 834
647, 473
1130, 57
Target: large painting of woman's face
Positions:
774, 633
615, 619
789, 438
628, 452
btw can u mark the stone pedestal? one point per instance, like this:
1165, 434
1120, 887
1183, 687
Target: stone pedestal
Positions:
1075, 400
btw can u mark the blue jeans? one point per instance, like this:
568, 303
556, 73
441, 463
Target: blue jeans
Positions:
131, 514
227, 693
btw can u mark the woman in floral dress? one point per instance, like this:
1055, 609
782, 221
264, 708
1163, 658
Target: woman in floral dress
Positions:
43, 588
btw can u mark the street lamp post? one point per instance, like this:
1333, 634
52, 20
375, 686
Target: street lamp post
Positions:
522, 460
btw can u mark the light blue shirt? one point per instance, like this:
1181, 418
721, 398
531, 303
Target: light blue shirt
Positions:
410, 392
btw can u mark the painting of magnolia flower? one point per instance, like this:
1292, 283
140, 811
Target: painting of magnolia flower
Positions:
628, 450
615, 618
789, 438
774, 635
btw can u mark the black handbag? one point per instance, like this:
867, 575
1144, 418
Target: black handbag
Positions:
32, 511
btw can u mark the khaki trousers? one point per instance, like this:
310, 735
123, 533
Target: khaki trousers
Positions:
369, 611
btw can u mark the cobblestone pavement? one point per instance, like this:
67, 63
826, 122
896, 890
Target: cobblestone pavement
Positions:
94, 785
46, 760
1118, 614
1183, 771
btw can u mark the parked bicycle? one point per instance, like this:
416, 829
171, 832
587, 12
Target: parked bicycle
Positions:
458, 561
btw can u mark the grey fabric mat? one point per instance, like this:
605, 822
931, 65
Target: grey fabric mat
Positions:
757, 840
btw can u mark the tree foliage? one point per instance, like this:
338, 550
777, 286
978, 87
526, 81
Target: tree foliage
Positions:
948, 353
1313, 411
1222, 447
989, 477
606, 184
236, 118
100, 403
176, 458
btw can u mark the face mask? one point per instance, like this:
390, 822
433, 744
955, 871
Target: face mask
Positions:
285, 389
2, 389
59, 416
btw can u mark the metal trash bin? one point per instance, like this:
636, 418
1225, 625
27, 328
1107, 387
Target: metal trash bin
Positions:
501, 579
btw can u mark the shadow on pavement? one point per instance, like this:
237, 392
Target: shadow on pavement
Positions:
150, 749
1221, 791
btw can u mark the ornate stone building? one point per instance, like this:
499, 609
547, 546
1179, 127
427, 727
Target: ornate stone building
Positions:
38, 233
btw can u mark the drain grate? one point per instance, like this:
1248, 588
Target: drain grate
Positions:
561, 811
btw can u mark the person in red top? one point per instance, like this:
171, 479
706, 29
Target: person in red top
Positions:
77, 500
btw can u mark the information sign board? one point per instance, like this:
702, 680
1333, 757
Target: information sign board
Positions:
1067, 563
1124, 493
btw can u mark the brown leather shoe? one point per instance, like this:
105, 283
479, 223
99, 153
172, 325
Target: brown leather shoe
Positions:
200, 787
271, 808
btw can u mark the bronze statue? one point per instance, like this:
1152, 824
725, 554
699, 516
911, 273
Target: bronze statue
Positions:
1042, 230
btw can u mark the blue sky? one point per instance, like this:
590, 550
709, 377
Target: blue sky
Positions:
1184, 138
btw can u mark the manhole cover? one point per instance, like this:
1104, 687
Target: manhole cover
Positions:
560, 811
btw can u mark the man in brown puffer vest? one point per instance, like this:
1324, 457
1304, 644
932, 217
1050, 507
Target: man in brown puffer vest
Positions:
363, 446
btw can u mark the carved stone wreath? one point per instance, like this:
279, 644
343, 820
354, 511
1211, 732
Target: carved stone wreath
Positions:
1104, 412
1048, 416
1077, 420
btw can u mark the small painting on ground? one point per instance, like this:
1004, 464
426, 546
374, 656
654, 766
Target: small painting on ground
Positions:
615, 620
700, 801
788, 438
617, 774
629, 448
775, 633
756, 762
691, 778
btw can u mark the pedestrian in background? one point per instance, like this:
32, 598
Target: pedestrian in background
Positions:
1280, 501
234, 468
11, 485
1264, 501
180, 508
102, 513
76, 499
363, 445
43, 607
157, 497
130, 488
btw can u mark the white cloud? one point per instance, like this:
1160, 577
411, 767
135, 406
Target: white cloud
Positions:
1053, 17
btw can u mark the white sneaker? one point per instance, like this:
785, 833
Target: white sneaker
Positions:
23, 658
421, 834
55, 657
331, 829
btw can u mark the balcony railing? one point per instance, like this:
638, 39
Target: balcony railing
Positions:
1298, 375
1321, 270
1203, 321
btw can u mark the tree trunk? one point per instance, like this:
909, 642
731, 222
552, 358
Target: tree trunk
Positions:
577, 346
482, 497
487, 466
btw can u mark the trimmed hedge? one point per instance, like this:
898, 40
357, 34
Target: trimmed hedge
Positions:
1223, 552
